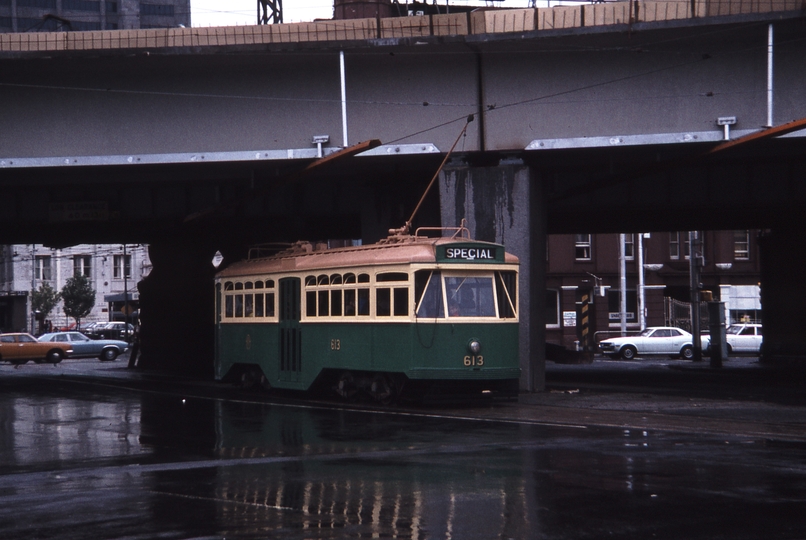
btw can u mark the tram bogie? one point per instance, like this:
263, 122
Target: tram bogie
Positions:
409, 316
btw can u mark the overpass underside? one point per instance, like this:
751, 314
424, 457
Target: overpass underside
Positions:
195, 149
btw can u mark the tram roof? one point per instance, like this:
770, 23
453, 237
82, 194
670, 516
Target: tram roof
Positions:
393, 250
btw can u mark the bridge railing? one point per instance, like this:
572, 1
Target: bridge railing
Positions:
482, 21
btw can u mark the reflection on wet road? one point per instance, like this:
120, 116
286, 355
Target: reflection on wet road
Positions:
116, 463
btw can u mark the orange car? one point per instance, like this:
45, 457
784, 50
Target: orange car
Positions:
19, 348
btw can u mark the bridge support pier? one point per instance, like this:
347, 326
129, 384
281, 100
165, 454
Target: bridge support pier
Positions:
783, 296
177, 307
506, 204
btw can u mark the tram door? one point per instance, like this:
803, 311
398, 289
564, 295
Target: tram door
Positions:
290, 331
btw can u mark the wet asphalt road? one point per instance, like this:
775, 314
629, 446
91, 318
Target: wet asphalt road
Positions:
90, 450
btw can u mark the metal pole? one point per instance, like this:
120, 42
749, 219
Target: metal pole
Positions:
622, 262
125, 296
33, 284
641, 291
694, 282
343, 100
769, 76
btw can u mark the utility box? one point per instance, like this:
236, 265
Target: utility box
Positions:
718, 346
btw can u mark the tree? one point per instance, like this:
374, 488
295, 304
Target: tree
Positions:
79, 298
44, 300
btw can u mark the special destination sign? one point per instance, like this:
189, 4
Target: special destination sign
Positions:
473, 253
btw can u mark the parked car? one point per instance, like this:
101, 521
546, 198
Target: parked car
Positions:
654, 340
105, 350
741, 338
111, 330
18, 348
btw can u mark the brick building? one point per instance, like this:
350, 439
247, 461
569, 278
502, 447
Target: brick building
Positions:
583, 281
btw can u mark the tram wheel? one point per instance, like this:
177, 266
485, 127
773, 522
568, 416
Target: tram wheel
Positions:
264, 382
382, 389
346, 387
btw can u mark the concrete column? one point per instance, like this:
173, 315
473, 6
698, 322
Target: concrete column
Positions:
505, 204
177, 307
783, 296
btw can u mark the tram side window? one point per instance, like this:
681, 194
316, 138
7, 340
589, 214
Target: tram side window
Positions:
238, 300
401, 301
259, 312
363, 301
383, 302
392, 300
349, 303
428, 289
506, 290
310, 303
229, 303
270, 310
363, 296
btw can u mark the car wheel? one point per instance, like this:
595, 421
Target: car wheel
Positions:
687, 352
628, 352
54, 357
109, 355
730, 349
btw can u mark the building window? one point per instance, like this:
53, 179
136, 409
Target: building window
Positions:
82, 5
159, 10
674, 245
42, 265
614, 306
81, 265
552, 308
675, 241
741, 245
42, 4
123, 267
582, 247
629, 247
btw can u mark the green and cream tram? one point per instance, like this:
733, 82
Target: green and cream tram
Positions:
411, 314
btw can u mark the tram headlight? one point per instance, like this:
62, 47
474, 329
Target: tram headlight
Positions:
474, 346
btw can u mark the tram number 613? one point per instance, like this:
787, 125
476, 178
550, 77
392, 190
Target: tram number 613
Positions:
474, 360
335, 344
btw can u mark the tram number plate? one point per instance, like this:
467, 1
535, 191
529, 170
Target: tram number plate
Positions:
335, 344
474, 360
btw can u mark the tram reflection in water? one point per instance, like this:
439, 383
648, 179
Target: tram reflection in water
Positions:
410, 316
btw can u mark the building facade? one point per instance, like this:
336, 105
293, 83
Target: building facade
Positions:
84, 15
113, 270
583, 301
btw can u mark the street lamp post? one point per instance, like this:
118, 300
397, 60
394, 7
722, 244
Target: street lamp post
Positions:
694, 259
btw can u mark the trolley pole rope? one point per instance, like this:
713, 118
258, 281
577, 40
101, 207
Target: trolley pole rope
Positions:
407, 228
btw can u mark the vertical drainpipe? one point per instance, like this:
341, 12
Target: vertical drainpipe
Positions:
769, 76
343, 101
480, 84
641, 284
622, 264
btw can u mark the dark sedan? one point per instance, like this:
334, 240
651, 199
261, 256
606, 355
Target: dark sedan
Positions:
104, 349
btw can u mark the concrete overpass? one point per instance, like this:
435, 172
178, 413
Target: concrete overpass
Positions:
604, 126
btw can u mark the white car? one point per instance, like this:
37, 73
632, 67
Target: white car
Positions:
654, 340
741, 338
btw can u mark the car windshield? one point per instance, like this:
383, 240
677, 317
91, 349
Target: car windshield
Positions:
647, 332
734, 330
